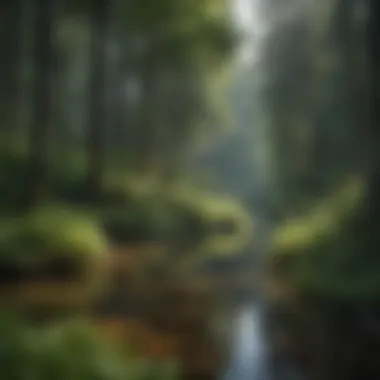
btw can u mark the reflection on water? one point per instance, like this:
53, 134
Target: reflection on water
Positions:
249, 353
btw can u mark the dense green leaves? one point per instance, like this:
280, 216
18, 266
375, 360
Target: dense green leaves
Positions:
118, 86
71, 350
332, 251
49, 233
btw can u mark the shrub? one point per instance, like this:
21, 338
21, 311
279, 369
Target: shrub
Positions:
70, 350
331, 252
142, 221
51, 234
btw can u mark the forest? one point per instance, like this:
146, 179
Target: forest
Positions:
161, 160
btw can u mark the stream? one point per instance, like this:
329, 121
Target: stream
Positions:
248, 356
248, 349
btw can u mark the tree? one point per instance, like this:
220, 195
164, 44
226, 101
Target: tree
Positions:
374, 136
10, 42
173, 42
97, 110
42, 109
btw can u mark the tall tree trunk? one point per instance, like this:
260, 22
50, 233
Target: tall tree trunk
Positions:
97, 117
145, 139
145, 148
41, 113
374, 130
350, 42
116, 74
120, 131
10, 65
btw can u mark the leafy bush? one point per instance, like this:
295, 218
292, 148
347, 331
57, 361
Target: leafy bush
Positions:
50, 233
74, 351
143, 221
62, 352
189, 219
224, 226
71, 350
130, 224
19, 350
332, 252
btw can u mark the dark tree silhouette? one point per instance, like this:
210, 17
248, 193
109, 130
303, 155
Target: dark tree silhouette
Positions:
10, 64
373, 135
97, 109
42, 107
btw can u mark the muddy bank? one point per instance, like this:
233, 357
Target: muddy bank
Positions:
166, 321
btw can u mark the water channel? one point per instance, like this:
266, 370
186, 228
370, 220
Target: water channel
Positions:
248, 355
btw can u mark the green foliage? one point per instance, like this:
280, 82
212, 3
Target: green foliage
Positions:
296, 235
214, 211
19, 348
50, 232
70, 350
131, 224
73, 350
180, 32
332, 252
185, 216
150, 220
181, 41
65, 179
344, 264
